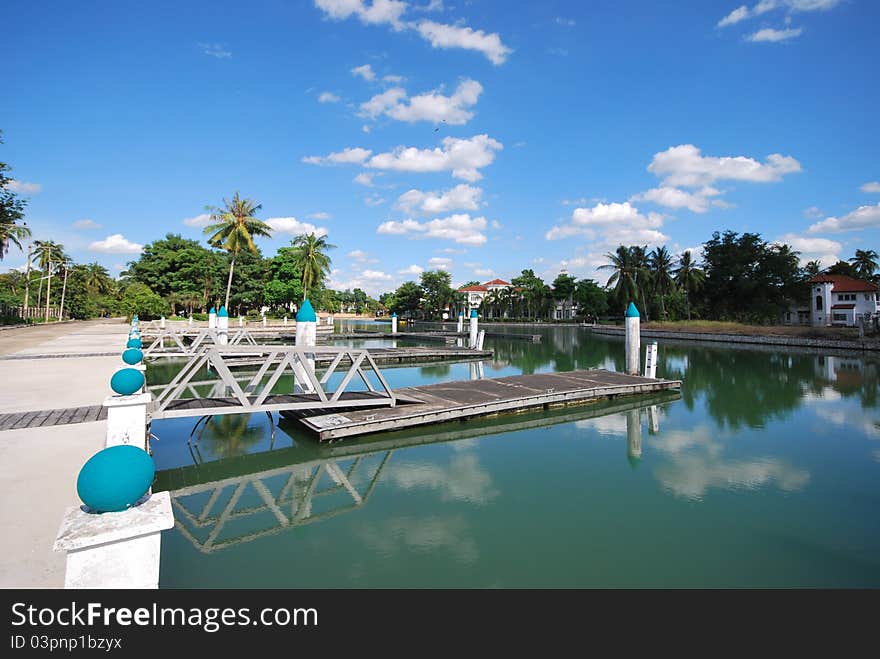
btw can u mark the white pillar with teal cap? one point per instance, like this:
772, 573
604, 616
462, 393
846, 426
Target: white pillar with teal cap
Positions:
633, 340
212, 319
473, 328
306, 337
394, 323
460, 322
222, 326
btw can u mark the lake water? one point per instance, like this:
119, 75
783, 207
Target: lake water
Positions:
764, 472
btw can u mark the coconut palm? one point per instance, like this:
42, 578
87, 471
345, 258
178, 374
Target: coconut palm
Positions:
97, 278
11, 233
234, 226
49, 253
65, 264
865, 262
661, 275
813, 268
624, 277
310, 258
689, 277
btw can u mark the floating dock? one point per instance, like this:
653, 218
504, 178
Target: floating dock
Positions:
436, 403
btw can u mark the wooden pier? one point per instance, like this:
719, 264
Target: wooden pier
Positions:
418, 406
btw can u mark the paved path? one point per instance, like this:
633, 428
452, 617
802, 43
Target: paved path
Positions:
48, 368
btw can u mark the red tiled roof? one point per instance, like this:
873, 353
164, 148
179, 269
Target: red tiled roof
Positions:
473, 289
844, 284
497, 282
843, 306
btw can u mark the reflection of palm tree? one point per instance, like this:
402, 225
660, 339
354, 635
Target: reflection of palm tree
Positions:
231, 435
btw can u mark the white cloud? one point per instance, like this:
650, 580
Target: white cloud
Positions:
461, 197
347, 156
565, 22
743, 12
771, 35
294, 227
612, 224
374, 200
463, 156
23, 187
484, 272
432, 106
433, 5
459, 228
453, 36
440, 262
365, 71
217, 50
813, 212
86, 224
375, 275
328, 97
496, 224
813, 249
738, 14
671, 197
414, 270
393, 79
358, 255
365, 178
116, 244
685, 166
319, 216
864, 217
873, 186
202, 220
375, 13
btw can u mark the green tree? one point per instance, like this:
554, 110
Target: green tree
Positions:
624, 276
437, 287
13, 229
234, 227
592, 299
812, 268
563, 289
661, 275
312, 260
865, 263
689, 278
175, 264
407, 298
49, 254
138, 299
532, 290
843, 268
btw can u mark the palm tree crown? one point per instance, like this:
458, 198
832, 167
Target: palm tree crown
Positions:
865, 262
309, 256
689, 277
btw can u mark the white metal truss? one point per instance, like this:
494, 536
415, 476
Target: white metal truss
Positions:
172, 343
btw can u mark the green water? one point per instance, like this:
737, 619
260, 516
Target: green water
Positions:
764, 472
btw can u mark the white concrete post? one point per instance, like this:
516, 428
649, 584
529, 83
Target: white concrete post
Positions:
633, 434
190, 320
394, 323
212, 319
264, 320
285, 321
306, 337
473, 329
651, 360
115, 550
460, 322
222, 327
480, 338
162, 322
633, 341
127, 419
241, 321
654, 419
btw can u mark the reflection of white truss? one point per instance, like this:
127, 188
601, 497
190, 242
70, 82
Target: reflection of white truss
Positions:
181, 397
291, 507
171, 343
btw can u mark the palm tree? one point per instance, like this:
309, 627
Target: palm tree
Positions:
865, 262
49, 253
190, 300
234, 227
310, 258
625, 275
11, 232
661, 266
813, 268
97, 278
689, 277
66, 263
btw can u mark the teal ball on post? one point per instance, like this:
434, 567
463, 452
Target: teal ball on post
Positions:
132, 356
115, 478
127, 381
134, 343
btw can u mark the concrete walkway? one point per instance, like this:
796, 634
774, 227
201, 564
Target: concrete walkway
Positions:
38, 466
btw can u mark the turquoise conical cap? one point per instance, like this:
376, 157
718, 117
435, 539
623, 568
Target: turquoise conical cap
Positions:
306, 313
223, 313
631, 311
474, 313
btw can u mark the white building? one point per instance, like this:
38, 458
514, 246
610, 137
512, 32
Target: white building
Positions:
841, 300
476, 294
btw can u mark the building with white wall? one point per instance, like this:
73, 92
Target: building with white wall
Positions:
841, 300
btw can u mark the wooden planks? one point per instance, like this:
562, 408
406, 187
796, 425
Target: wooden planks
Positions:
60, 417
471, 398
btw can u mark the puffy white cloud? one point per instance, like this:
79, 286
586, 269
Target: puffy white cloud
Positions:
737, 15
743, 12
453, 36
393, 79
432, 106
365, 71
86, 225
459, 228
464, 157
414, 270
685, 166
348, 156
23, 187
771, 35
319, 216
365, 178
440, 263
671, 197
461, 197
358, 255
217, 50
116, 244
873, 186
328, 97
375, 13
202, 220
294, 227
864, 217
813, 212
484, 272
813, 249
612, 224
375, 275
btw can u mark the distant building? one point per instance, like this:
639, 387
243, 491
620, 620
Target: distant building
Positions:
836, 300
476, 294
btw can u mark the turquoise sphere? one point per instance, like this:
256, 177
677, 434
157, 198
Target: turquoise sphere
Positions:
115, 478
127, 381
132, 356
134, 343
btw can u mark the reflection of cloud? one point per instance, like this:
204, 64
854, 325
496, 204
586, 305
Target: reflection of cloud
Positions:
421, 534
613, 424
462, 480
851, 419
690, 476
828, 394
677, 441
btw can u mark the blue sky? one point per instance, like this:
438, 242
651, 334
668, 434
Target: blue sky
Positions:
480, 136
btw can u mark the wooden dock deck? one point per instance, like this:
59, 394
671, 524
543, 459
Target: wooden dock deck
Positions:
436, 403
